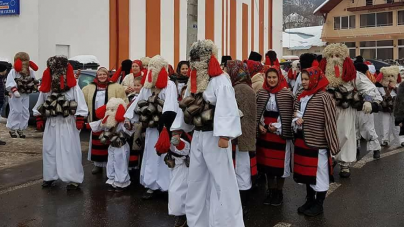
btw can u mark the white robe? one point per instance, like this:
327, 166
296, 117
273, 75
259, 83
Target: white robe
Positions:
365, 128
61, 141
213, 198
118, 158
19, 107
154, 173
177, 191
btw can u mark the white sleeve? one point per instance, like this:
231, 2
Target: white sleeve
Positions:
40, 101
96, 126
227, 118
10, 82
366, 87
170, 98
179, 123
82, 109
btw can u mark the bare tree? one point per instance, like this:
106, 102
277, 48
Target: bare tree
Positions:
299, 13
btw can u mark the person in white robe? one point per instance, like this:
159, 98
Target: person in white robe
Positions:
213, 198
20, 83
62, 154
154, 174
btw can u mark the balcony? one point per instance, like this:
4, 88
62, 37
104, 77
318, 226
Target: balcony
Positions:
397, 3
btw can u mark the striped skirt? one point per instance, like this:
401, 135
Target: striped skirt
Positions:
99, 151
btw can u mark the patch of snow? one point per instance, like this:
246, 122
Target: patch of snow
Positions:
85, 59
302, 38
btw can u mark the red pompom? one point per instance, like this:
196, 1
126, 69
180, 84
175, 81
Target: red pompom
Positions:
116, 75
71, 80
18, 65
120, 112
323, 64
214, 67
46, 81
315, 63
163, 143
150, 76
33, 66
162, 79
348, 70
143, 79
379, 77
100, 112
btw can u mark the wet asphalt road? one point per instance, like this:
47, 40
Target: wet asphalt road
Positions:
373, 196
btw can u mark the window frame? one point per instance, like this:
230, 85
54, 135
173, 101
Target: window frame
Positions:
398, 17
349, 22
376, 47
376, 25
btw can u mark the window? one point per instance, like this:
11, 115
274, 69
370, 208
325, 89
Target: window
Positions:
350, 44
351, 48
352, 53
400, 19
390, 1
401, 48
347, 22
369, 2
384, 19
376, 19
381, 50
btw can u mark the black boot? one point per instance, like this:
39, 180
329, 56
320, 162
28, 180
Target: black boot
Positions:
376, 154
310, 197
277, 198
244, 200
48, 184
180, 221
267, 200
2, 142
317, 207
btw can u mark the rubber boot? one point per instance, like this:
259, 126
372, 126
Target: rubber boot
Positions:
244, 200
310, 198
277, 198
317, 207
271, 192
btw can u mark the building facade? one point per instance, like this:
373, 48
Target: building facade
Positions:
371, 28
114, 30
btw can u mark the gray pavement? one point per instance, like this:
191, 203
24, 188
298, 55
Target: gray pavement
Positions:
371, 197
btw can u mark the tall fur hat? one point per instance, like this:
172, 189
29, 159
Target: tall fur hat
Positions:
271, 58
157, 73
22, 64
255, 56
306, 60
58, 75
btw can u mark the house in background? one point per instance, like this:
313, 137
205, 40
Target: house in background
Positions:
371, 28
297, 41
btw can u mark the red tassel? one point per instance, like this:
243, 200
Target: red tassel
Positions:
214, 67
348, 70
70, 79
323, 64
33, 66
46, 81
149, 76
189, 72
315, 63
163, 143
162, 79
143, 79
193, 82
290, 74
105, 119
116, 75
18, 65
336, 71
379, 77
62, 82
120, 112
100, 112
399, 78
267, 61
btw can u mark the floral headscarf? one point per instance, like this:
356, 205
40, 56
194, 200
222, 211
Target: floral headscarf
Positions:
281, 81
238, 72
317, 81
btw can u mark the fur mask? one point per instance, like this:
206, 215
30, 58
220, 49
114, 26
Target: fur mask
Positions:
22, 64
59, 76
112, 113
337, 65
145, 62
389, 76
157, 73
203, 62
294, 70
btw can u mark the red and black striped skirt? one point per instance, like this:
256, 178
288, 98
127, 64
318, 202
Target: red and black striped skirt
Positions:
271, 149
99, 151
253, 162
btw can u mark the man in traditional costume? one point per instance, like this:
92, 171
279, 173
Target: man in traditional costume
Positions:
210, 108
61, 103
387, 82
341, 74
20, 83
156, 108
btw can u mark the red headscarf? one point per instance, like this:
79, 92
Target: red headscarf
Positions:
254, 67
281, 81
139, 63
317, 81
97, 82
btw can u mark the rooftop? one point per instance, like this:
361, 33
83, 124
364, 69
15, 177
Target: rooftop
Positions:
302, 38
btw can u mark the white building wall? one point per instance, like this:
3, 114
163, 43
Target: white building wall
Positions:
137, 29
277, 21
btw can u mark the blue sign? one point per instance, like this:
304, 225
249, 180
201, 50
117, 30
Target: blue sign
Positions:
9, 7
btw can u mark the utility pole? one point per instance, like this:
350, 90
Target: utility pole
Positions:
192, 20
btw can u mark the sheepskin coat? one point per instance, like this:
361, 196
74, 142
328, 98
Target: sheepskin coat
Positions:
113, 90
399, 105
257, 81
129, 81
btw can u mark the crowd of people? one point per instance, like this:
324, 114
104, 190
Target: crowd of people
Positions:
205, 132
